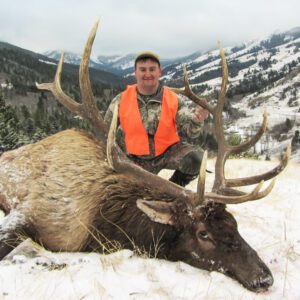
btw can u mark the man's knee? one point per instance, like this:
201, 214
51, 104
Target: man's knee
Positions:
190, 164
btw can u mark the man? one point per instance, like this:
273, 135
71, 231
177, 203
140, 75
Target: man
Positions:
149, 116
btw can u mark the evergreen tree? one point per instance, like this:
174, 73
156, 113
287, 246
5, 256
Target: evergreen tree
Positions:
27, 124
9, 127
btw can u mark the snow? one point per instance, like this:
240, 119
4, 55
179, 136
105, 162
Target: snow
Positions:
277, 108
47, 62
270, 225
282, 57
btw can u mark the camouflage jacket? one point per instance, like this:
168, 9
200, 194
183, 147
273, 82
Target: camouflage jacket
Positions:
150, 109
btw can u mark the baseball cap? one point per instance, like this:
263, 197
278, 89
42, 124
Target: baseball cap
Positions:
145, 55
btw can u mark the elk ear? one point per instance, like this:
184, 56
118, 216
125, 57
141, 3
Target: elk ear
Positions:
157, 211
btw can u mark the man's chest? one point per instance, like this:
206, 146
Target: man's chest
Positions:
150, 114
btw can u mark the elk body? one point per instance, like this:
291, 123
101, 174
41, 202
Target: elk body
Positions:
75, 192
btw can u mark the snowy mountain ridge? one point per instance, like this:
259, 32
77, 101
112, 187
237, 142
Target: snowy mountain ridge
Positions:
263, 75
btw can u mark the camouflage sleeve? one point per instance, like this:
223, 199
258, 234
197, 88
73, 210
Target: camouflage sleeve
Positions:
186, 125
110, 111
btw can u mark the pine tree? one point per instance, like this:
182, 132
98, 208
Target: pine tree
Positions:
9, 127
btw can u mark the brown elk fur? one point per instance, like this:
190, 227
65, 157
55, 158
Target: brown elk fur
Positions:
62, 193
38, 177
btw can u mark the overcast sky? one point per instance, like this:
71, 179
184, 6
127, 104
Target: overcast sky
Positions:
171, 28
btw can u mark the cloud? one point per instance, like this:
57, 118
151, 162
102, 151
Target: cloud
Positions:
171, 28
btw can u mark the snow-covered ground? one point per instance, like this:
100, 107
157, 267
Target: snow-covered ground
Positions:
278, 109
270, 225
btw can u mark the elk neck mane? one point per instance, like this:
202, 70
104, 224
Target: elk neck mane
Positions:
120, 219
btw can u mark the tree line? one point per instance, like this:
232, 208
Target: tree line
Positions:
18, 126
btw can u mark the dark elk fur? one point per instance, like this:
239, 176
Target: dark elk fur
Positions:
73, 192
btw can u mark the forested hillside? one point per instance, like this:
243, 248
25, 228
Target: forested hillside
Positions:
27, 114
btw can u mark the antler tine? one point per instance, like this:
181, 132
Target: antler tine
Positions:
265, 176
186, 91
88, 108
221, 99
255, 194
199, 197
55, 88
248, 144
223, 148
111, 140
88, 99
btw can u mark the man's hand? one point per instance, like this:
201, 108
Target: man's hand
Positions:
200, 114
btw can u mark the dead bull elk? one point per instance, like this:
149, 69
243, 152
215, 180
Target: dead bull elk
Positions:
73, 192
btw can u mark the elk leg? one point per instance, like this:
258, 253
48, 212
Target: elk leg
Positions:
10, 228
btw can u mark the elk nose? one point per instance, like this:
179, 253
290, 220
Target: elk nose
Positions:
262, 283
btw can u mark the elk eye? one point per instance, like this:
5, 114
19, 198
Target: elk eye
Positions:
203, 235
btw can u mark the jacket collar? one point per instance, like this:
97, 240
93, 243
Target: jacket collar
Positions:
157, 97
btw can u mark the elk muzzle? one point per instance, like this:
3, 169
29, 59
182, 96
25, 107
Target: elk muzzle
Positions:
244, 265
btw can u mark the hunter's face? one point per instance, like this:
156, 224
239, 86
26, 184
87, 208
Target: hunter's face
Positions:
147, 74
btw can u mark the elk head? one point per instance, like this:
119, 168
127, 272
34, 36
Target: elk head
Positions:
205, 234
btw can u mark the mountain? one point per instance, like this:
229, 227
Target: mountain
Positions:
41, 63
256, 69
252, 60
263, 73
121, 65
21, 68
278, 53
115, 64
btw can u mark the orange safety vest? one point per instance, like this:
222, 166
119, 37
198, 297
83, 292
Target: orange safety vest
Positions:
136, 137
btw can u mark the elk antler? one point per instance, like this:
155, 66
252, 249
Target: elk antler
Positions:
221, 191
87, 109
116, 158
118, 161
